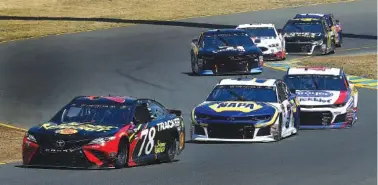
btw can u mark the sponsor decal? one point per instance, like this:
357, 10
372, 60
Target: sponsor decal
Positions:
159, 147
316, 99
168, 124
66, 131
235, 106
322, 94
78, 126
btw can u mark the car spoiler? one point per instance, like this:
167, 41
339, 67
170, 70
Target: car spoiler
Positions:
175, 111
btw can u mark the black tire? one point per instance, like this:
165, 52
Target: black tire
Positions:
170, 150
299, 120
278, 137
122, 155
193, 63
333, 51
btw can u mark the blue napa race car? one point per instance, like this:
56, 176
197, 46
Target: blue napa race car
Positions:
327, 98
246, 110
226, 51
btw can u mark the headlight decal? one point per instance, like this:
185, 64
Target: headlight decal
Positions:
30, 137
102, 140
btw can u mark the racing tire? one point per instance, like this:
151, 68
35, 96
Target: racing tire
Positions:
170, 150
298, 119
194, 64
340, 44
333, 51
278, 137
122, 155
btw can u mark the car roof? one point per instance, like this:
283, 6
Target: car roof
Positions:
106, 99
223, 31
249, 81
256, 25
306, 19
311, 15
314, 70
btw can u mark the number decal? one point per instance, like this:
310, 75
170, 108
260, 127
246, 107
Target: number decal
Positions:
150, 133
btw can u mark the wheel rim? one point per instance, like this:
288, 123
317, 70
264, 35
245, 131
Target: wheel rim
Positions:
194, 65
122, 154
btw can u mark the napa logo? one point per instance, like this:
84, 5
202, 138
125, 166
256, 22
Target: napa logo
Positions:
235, 106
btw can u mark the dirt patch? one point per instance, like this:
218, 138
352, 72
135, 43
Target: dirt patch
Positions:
359, 65
130, 10
10, 145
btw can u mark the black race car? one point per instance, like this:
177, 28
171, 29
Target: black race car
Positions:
106, 131
225, 51
332, 23
308, 36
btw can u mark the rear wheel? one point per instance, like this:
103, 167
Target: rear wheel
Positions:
170, 150
122, 155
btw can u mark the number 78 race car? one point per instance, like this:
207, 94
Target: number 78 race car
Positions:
246, 110
327, 98
106, 132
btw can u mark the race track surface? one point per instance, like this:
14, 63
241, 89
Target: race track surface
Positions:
39, 76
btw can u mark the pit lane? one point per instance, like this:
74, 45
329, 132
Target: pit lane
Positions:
38, 76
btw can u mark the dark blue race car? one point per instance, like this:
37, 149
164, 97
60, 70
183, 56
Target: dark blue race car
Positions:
225, 51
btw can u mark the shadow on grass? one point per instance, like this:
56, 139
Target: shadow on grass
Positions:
152, 22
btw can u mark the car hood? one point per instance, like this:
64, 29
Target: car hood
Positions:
235, 109
231, 50
73, 130
317, 97
302, 36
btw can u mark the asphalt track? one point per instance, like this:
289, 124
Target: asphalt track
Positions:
38, 76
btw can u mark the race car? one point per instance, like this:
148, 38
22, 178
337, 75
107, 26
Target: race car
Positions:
327, 99
331, 22
106, 132
308, 36
246, 110
266, 37
225, 51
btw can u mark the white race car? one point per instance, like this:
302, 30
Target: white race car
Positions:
266, 37
327, 98
246, 110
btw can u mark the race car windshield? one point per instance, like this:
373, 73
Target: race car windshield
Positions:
315, 82
219, 40
96, 114
243, 93
261, 32
312, 27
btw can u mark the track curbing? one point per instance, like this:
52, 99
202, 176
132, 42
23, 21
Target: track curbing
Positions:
357, 80
12, 127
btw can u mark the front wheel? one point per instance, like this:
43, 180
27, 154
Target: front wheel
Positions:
278, 137
194, 64
122, 155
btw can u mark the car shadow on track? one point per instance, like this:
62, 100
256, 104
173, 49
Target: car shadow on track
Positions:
93, 168
151, 22
240, 75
